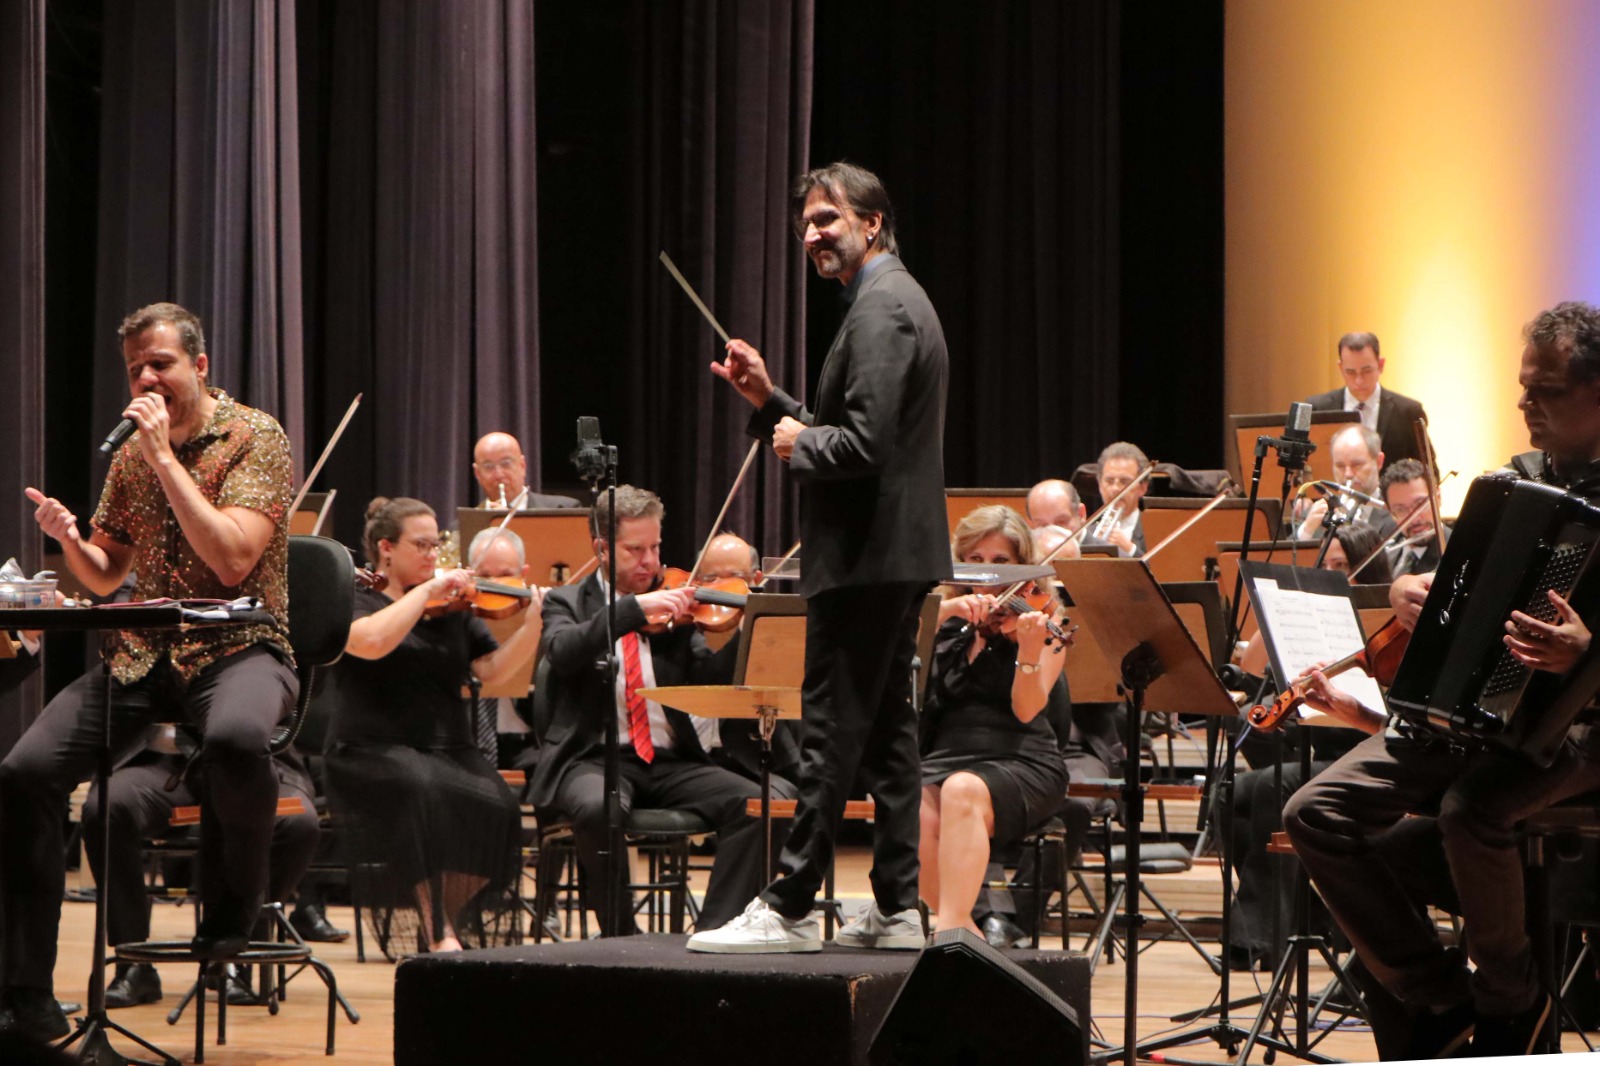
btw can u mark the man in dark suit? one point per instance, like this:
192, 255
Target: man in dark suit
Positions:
1405, 493
1388, 414
1121, 464
869, 459
663, 763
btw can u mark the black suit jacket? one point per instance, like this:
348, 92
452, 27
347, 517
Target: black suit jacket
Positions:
574, 640
871, 468
1397, 415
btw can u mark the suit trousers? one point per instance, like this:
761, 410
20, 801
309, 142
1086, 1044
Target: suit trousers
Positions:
713, 793
141, 807
856, 717
1480, 796
237, 701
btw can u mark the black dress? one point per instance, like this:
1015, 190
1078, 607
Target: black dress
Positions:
969, 726
417, 798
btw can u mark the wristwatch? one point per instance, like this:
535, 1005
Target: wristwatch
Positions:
1027, 668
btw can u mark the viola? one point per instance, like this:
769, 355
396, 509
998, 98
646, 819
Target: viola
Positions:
1380, 656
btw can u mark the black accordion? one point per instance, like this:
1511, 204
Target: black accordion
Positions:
1515, 540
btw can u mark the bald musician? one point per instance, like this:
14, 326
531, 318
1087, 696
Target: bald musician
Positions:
1054, 502
502, 473
1357, 457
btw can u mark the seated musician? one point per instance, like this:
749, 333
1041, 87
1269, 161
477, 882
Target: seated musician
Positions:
991, 764
1259, 793
1480, 792
196, 502
502, 473
502, 724
431, 824
1357, 457
1054, 502
663, 763
141, 807
735, 743
1405, 492
1122, 525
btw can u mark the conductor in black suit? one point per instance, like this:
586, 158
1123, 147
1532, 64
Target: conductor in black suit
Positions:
663, 764
869, 460
1387, 413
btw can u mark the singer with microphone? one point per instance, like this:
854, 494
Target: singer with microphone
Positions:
195, 504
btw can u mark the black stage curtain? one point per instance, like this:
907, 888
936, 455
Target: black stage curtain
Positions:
419, 141
22, 68
199, 200
722, 115
994, 127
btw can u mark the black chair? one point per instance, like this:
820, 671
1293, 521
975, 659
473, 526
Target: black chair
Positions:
321, 596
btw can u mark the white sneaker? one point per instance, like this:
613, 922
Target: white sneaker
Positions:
873, 929
760, 930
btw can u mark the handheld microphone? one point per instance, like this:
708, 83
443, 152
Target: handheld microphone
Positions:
115, 438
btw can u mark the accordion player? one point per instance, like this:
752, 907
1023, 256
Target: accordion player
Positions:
1514, 541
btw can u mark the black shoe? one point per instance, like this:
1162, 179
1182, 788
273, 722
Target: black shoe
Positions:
1246, 960
69, 1008
313, 926
1440, 1035
225, 930
236, 979
1514, 1034
1002, 932
35, 1012
136, 983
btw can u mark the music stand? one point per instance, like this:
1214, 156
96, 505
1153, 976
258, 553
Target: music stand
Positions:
1186, 558
93, 1027
1294, 968
315, 511
765, 705
556, 540
1163, 668
958, 503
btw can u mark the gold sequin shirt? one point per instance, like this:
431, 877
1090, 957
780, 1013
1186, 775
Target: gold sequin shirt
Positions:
240, 458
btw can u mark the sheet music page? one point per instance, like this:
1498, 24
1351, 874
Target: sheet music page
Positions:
1307, 628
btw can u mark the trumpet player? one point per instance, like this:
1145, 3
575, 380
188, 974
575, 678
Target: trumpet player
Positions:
1357, 457
1120, 465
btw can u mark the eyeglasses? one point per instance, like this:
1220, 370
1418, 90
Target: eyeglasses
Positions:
509, 463
423, 546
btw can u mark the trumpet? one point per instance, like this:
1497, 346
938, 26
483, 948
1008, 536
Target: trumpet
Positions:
1108, 520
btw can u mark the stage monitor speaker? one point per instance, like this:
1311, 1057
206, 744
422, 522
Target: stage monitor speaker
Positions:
965, 1002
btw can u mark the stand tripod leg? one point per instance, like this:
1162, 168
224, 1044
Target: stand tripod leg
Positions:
96, 1045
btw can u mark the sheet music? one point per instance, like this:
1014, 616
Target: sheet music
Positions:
1307, 628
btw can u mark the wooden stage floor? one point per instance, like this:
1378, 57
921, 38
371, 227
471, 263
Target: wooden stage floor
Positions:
1173, 979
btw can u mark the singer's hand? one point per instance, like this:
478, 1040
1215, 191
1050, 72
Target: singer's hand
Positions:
53, 517
149, 413
745, 370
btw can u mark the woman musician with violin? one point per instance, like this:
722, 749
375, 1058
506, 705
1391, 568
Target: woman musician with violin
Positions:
431, 821
992, 765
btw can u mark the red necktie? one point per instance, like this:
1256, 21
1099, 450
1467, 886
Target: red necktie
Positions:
638, 712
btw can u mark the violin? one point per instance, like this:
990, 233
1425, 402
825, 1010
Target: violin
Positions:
492, 600
718, 604
1380, 656
1034, 597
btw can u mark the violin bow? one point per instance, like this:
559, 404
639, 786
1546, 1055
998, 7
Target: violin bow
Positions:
326, 451
727, 502
1430, 472
1181, 530
500, 527
778, 565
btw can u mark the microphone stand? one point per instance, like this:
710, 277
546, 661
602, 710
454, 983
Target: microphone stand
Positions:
597, 464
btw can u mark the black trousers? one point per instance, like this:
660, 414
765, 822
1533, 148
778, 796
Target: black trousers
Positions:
671, 783
237, 701
1336, 822
141, 807
856, 718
